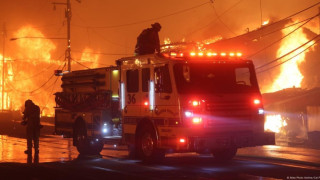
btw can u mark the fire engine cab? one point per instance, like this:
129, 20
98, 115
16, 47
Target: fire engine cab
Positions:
169, 102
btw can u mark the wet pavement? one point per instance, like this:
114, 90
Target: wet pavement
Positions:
55, 148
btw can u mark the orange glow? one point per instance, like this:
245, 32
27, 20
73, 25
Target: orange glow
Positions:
88, 56
223, 54
209, 54
274, 123
239, 54
231, 54
290, 75
146, 103
200, 54
26, 77
192, 54
265, 22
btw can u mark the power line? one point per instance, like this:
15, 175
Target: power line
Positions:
146, 20
81, 64
275, 60
31, 92
289, 58
102, 53
283, 37
213, 21
215, 11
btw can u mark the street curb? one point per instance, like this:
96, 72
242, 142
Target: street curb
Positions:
281, 159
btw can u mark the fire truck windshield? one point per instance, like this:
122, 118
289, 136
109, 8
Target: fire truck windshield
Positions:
192, 78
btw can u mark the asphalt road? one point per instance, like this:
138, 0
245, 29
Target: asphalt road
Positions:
58, 159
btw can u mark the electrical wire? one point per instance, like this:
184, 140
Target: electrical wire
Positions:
146, 20
289, 58
213, 21
271, 44
275, 60
215, 11
31, 92
81, 64
102, 53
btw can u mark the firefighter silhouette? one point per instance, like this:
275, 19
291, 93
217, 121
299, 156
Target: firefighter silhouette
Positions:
31, 118
148, 41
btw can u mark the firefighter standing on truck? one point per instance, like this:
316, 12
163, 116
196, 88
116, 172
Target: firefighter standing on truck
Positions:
148, 41
31, 118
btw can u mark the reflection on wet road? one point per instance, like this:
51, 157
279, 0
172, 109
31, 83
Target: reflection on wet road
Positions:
58, 154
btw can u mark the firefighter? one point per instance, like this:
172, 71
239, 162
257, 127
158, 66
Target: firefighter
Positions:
31, 118
148, 41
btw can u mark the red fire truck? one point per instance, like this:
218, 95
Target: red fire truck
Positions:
169, 102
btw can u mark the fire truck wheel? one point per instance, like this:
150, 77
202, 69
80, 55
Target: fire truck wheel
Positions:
147, 145
224, 154
86, 146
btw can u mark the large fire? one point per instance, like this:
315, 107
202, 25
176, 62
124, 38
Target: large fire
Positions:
274, 123
29, 73
290, 75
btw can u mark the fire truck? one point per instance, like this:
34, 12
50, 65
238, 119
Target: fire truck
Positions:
204, 102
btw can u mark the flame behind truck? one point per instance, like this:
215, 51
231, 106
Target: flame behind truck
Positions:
169, 102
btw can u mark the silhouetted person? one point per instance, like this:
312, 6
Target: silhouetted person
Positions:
31, 118
148, 41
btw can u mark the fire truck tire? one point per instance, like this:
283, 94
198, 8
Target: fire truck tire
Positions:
224, 154
86, 146
147, 145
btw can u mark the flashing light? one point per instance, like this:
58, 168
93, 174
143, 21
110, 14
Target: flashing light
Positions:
122, 95
203, 54
173, 54
260, 111
182, 140
188, 114
151, 95
256, 101
104, 130
146, 103
195, 103
196, 120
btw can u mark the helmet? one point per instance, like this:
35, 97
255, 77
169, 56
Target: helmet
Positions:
156, 26
28, 103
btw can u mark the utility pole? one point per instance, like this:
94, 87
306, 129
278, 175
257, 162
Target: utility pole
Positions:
3, 56
68, 16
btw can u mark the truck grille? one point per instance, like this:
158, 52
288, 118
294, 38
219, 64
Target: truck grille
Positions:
228, 113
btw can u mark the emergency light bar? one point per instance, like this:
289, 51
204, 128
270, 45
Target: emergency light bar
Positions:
202, 54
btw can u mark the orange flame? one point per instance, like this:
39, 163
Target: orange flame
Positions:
274, 123
28, 76
290, 75
88, 56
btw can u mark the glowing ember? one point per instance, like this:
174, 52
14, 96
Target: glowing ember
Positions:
265, 22
274, 123
290, 75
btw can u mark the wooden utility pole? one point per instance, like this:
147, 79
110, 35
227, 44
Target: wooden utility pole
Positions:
68, 16
3, 56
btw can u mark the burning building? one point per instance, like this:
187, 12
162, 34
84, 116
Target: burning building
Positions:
286, 57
